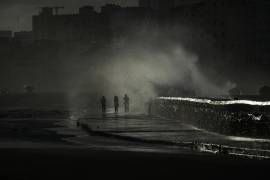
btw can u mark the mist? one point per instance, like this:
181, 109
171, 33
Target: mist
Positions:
142, 61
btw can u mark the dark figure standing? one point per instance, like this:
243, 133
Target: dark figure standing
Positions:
126, 103
116, 104
103, 104
150, 103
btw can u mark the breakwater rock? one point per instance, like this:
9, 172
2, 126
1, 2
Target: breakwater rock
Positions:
235, 118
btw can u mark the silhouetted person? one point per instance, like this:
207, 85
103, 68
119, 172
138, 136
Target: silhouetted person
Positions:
116, 104
126, 103
150, 104
103, 104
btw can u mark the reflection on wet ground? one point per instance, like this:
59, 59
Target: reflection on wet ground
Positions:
58, 129
173, 131
122, 132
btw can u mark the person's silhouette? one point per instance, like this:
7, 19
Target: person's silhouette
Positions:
116, 104
150, 103
126, 103
103, 104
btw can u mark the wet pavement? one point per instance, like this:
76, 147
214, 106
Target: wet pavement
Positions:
49, 129
172, 131
121, 132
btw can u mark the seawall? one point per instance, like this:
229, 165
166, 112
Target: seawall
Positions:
236, 118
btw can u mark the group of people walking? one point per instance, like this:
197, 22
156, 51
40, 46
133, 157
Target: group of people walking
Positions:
116, 103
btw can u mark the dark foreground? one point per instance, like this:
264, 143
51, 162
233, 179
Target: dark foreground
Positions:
90, 164
48, 145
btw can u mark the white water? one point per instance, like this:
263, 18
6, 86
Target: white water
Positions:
207, 101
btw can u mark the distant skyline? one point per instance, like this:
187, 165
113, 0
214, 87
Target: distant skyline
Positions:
16, 15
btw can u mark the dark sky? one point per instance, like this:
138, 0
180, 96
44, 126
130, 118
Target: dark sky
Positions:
16, 14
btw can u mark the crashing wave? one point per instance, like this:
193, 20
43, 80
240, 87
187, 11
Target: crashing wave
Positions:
212, 102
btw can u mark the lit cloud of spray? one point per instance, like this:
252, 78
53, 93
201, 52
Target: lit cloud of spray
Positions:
134, 65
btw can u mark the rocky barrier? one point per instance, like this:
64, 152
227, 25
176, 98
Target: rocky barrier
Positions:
235, 118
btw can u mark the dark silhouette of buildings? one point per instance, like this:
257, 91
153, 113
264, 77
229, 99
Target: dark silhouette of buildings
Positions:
239, 31
5, 36
24, 38
82, 26
157, 4
239, 27
5, 43
88, 25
